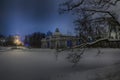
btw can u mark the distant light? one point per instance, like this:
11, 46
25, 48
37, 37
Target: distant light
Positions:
17, 40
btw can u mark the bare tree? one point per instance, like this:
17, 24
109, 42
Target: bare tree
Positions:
91, 14
92, 18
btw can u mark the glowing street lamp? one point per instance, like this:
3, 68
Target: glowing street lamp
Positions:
17, 40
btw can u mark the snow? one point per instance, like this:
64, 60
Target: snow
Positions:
4, 48
45, 64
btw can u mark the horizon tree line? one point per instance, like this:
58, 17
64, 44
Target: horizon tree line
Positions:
31, 40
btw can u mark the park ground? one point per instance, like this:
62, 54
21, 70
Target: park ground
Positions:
44, 64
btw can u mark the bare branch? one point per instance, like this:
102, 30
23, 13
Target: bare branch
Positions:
100, 11
76, 5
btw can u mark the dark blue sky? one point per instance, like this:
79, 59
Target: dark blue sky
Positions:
27, 16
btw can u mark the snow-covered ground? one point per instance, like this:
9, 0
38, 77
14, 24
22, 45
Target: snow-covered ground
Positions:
44, 64
4, 48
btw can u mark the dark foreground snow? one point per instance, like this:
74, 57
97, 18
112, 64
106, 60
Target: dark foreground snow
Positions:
42, 64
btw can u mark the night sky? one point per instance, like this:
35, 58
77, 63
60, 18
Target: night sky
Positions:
27, 16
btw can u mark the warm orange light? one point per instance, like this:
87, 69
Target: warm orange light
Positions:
17, 41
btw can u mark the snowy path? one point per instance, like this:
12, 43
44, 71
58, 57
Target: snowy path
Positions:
41, 64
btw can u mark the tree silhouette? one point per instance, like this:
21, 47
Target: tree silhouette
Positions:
34, 40
91, 15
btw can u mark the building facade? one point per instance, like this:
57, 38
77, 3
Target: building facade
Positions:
114, 33
58, 40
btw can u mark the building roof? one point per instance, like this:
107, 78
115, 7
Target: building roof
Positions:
57, 32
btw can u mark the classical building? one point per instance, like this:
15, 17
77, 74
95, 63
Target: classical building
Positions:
114, 33
58, 40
